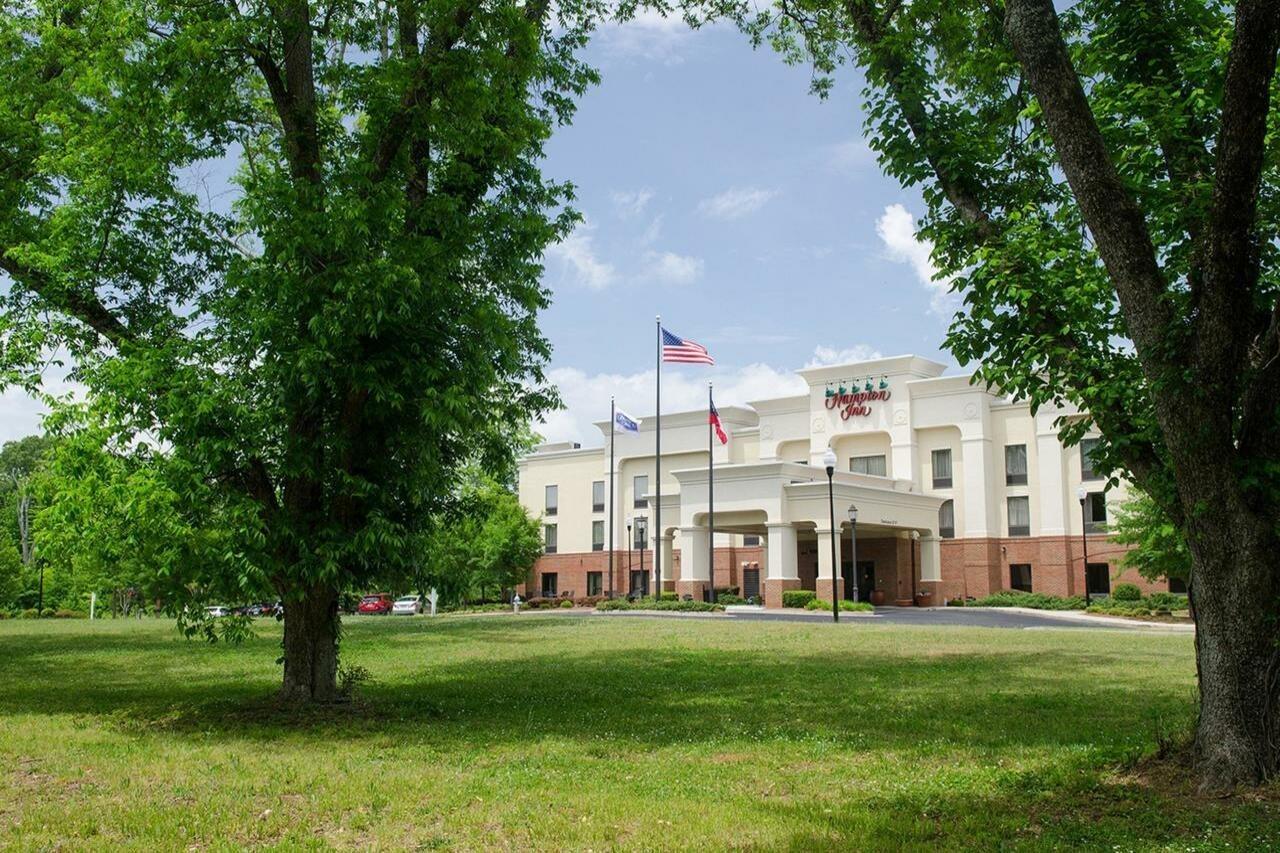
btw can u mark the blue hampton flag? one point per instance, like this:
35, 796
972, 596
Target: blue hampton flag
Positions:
624, 422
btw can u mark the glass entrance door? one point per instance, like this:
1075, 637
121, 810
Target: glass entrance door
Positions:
1097, 579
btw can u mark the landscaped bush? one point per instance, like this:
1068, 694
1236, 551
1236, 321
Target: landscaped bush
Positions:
727, 598
955, 602
4, 614
1120, 608
1168, 601
1126, 592
846, 606
47, 613
798, 597
29, 613
651, 604
588, 600
538, 601
727, 590
566, 603
1032, 600
69, 614
670, 595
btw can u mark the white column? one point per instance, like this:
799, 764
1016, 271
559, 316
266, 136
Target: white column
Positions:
824, 553
693, 554
669, 559
930, 558
1052, 491
978, 494
780, 562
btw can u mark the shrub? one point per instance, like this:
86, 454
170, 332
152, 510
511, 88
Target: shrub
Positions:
29, 613
798, 597
1126, 592
568, 602
63, 613
955, 602
4, 614
729, 598
728, 590
846, 606
47, 613
651, 604
1120, 608
538, 601
670, 595
1168, 601
588, 600
1032, 600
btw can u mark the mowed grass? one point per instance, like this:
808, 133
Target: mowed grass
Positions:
561, 732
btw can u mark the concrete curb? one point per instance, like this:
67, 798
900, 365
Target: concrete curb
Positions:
1095, 619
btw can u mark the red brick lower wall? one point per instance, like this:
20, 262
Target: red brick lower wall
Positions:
970, 567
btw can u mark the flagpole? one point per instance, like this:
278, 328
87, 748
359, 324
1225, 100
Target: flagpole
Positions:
711, 498
657, 475
612, 518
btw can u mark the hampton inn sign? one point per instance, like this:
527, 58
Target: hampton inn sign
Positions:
963, 490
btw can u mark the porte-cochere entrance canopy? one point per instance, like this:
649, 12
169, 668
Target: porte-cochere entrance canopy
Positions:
785, 502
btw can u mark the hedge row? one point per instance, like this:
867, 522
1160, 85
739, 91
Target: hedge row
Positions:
1031, 600
664, 604
846, 606
798, 597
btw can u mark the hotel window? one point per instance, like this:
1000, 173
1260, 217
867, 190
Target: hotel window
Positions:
551, 500
749, 541
1095, 512
947, 520
1015, 465
550, 584
597, 496
640, 488
597, 536
1020, 516
594, 582
1087, 448
1020, 576
549, 538
873, 465
941, 469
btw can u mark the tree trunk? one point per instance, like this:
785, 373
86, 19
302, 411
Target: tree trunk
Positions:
1235, 593
311, 648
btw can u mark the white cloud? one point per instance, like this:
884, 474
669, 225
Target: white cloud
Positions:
650, 35
823, 355
576, 255
896, 229
586, 396
851, 157
735, 203
21, 414
653, 232
629, 203
670, 268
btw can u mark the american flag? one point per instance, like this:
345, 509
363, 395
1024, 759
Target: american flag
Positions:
683, 351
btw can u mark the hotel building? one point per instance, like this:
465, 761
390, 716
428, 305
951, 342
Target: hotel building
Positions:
960, 492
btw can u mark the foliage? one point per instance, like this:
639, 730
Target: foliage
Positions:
1159, 547
1126, 592
353, 320
797, 597
664, 604
1032, 600
846, 606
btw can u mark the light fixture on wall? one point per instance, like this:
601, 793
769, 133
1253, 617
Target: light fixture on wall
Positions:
884, 382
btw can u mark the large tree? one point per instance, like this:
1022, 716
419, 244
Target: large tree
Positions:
1102, 184
295, 247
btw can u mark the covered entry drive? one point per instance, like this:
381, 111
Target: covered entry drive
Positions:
786, 506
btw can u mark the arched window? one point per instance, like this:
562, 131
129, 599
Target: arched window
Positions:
947, 520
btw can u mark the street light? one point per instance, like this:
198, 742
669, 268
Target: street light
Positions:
829, 461
642, 529
853, 547
915, 537
1084, 542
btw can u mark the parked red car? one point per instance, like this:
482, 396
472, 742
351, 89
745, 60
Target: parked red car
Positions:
378, 603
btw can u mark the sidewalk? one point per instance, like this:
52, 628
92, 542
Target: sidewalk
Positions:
1096, 619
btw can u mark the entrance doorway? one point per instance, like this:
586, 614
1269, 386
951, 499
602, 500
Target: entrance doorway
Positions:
866, 579
1097, 579
751, 583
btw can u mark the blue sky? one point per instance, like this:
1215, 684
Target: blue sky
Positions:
718, 192
752, 215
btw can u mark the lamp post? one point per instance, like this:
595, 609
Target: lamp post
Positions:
829, 461
853, 547
642, 530
629, 543
1084, 542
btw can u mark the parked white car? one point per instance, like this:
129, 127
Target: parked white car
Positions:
217, 611
407, 605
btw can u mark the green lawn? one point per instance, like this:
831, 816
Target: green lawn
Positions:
502, 732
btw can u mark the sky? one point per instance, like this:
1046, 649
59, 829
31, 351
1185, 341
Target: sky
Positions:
719, 193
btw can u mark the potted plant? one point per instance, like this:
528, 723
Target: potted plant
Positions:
924, 598
877, 597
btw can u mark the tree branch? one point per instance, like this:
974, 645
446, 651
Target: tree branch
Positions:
83, 306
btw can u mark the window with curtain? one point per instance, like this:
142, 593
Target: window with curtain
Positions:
942, 468
597, 536
1019, 516
595, 580
640, 488
597, 496
1087, 448
874, 465
550, 584
1095, 512
549, 538
1015, 465
947, 520
551, 500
